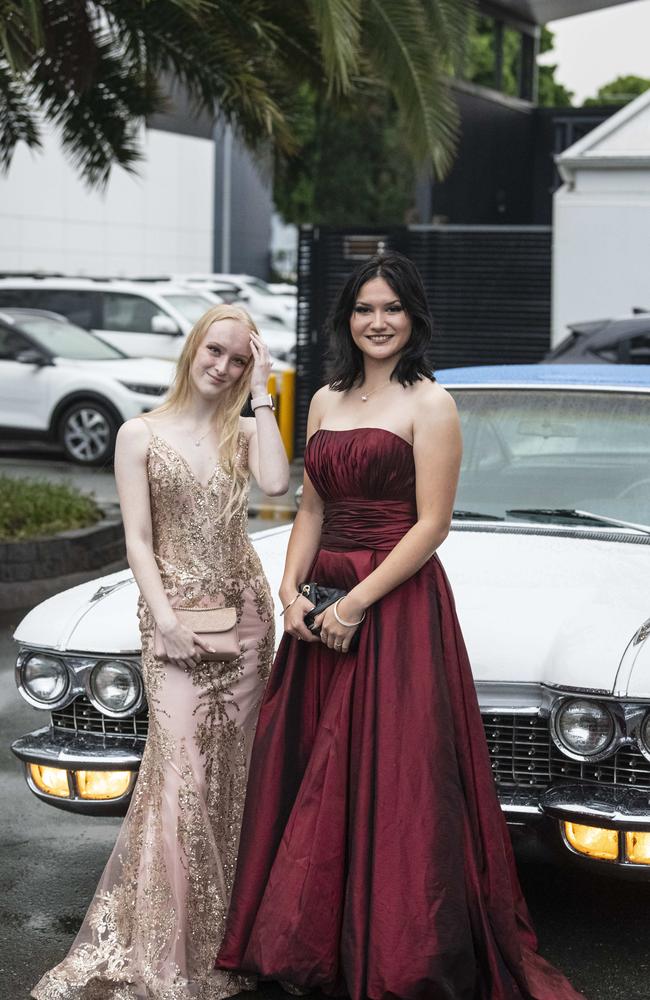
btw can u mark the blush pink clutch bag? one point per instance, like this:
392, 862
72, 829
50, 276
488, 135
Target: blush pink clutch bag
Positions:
216, 626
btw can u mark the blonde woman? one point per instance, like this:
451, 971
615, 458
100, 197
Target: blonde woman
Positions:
182, 471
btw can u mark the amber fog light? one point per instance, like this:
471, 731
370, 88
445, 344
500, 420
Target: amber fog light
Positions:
102, 784
637, 847
51, 780
593, 841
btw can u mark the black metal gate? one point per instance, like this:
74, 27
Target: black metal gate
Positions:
489, 289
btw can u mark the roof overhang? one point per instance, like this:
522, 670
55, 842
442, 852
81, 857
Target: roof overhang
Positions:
543, 11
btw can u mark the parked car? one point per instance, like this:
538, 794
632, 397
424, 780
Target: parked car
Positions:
281, 339
141, 319
277, 325
61, 383
606, 341
549, 558
257, 295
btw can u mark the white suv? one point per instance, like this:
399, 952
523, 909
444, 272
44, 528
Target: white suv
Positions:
59, 382
141, 319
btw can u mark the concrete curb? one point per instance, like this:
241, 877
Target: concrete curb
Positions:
23, 596
36, 568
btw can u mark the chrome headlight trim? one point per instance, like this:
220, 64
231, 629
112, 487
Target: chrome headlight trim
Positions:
643, 735
607, 748
135, 677
22, 665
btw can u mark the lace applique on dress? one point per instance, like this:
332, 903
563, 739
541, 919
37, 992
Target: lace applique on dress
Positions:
156, 921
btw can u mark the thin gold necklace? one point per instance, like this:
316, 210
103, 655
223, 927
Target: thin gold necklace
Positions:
366, 395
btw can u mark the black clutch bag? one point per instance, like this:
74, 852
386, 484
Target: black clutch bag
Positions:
322, 597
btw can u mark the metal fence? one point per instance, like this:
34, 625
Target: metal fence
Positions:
489, 290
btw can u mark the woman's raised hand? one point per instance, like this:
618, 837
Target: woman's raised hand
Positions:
262, 365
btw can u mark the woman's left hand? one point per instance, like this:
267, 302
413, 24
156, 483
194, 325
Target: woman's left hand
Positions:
334, 635
262, 365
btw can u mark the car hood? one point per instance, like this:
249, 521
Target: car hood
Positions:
147, 371
534, 607
550, 608
101, 616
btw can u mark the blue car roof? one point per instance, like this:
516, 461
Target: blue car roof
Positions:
625, 376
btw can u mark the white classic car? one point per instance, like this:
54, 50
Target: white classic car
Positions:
549, 558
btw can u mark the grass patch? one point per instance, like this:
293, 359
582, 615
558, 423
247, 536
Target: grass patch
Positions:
30, 508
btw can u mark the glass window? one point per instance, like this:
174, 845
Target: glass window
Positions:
11, 342
640, 350
126, 313
20, 298
67, 341
80, 307
582, 450
191, 307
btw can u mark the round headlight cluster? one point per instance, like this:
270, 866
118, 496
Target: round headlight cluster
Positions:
585, 728
44, 678
115, 686
644, 734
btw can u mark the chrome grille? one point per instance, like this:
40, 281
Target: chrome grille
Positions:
524, 756
81, 716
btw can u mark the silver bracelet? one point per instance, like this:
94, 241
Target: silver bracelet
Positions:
290, 603
341, 621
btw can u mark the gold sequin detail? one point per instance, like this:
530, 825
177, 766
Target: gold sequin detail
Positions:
154, 927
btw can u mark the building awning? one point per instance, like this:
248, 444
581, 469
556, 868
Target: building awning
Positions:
543, 11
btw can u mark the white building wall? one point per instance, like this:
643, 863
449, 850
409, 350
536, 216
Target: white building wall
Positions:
601, 237
601, 247
158, 221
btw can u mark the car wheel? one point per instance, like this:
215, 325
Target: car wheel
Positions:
87, 432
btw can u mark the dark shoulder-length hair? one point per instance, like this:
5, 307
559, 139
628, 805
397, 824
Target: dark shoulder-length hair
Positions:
344, 359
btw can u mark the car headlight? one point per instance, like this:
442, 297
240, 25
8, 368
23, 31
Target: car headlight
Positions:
115, 686
146, 390
644, 734
585, 728
44, 678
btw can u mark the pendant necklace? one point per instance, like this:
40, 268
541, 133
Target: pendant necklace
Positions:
197, 441
366, 395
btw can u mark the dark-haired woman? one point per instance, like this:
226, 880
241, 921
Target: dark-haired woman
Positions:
374, 858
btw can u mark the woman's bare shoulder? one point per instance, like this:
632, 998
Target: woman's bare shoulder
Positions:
133, 436
433, 402
322, 402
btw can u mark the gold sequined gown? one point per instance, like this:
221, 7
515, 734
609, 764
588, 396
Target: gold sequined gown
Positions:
157, 917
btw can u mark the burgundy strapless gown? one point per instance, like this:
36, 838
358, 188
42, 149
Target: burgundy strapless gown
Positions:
374, 858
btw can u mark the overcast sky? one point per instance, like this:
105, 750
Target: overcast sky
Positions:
593, 49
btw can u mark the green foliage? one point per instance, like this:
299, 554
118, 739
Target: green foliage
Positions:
622, 90
93, 68
353, 167
551, 93
480, 63
29, 509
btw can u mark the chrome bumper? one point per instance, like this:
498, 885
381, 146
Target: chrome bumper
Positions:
77, 751
607, 806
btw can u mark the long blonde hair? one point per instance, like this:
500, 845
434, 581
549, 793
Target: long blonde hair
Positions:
231, 404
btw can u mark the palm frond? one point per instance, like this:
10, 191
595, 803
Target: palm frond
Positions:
399, 44
338, 25
17, 122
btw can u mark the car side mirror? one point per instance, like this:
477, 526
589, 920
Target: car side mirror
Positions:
30, 356
165, 324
